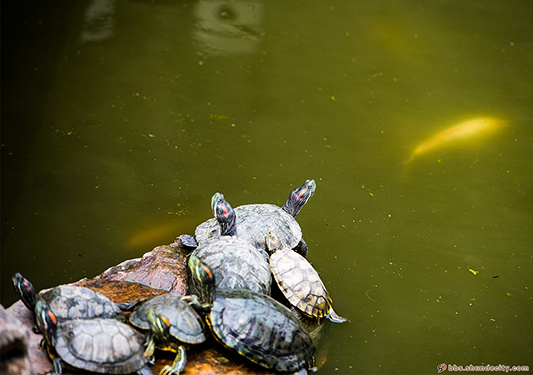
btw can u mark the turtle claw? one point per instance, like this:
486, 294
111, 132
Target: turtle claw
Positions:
56, 366
191, 299
302, 371
130, 306
167, 370
332, 316
151, 360
195, 303
145, 370
150, 347
178, 365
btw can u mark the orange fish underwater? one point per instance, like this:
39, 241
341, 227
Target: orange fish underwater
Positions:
469, 129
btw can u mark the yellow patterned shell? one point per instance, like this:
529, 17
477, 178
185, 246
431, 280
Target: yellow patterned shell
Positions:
300, 283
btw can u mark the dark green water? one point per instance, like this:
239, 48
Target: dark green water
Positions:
121, 119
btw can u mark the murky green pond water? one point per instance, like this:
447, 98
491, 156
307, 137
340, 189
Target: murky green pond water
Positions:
120, 119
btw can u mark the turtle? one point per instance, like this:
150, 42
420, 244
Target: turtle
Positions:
254, 221
299, 282
173, 323
98, 344
234, 261
68, 301
253, 324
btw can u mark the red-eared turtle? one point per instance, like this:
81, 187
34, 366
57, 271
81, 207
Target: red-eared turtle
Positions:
254, 221
299, 282
253, 324
68, 302
173, 323
98, 345
235, 262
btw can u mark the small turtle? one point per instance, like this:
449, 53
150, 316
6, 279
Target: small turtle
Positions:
299, 282
68, 301
98, 345
235, 262
254, 221
173, 323
253, 324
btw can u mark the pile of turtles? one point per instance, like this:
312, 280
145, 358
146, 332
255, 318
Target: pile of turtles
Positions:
236, 259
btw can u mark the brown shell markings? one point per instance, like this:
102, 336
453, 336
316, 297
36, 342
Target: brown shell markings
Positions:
300, 283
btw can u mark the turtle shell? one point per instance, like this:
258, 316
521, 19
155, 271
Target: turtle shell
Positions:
100, 345
261, 329
77, 302
300, 283
254, 222
185, 323
236, 264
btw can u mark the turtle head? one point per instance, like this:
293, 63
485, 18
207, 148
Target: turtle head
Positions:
203, 279
299, 197
224, 214
25, 290
159, 324
185, 241
159, 331
46, 322
272, 242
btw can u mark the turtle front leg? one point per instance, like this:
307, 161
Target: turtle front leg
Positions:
56, 360
150, 346
130, 306
178, 365
56, 367
193, 301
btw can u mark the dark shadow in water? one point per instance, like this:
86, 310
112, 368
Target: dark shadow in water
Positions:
30, 48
